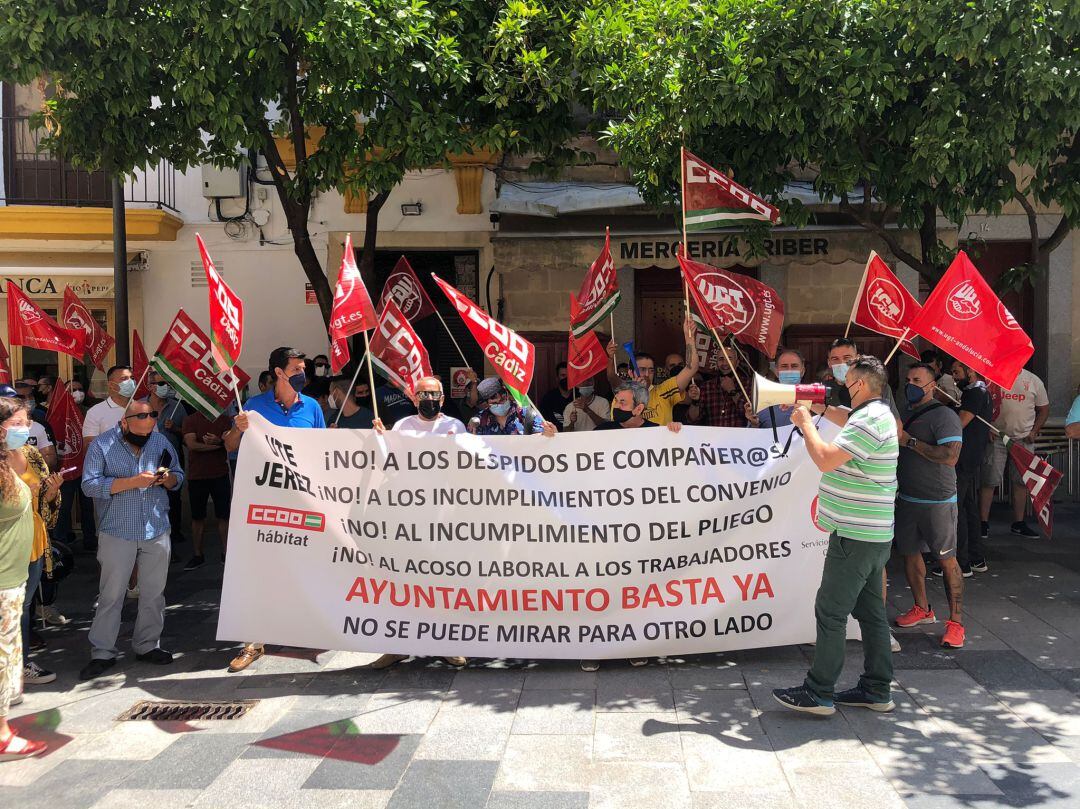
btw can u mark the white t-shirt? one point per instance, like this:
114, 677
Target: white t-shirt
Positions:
443, 425
599, 406
101, 417
1018, 405
39, 438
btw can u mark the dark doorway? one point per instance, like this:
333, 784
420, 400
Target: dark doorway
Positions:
813, 340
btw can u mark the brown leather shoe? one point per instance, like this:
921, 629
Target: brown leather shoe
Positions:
386, 661
245, 658
456, 661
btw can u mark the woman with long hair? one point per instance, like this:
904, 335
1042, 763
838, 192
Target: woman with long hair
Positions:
16, 545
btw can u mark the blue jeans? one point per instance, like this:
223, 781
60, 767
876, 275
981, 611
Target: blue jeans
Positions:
33, 578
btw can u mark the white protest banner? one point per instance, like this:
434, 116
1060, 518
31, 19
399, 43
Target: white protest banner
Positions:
629, 543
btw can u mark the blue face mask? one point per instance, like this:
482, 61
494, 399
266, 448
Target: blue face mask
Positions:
913, 393
127, 388
500, 408
16, 437
789, 377
839, 372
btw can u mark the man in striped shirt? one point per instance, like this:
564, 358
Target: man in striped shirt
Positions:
856, 502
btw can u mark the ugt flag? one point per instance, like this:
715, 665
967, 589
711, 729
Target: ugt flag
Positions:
599, 293
353, 311
339, 355
226, 315
585, 358
405, 289
66, 421
75, 315
5, 365
396, 350
736, 304
964, 318
184, 358
512, 355
28, 325
1040, 478
884, 305
140, 365
712, 200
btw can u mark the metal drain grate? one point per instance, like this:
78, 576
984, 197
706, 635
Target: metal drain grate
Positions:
186, 711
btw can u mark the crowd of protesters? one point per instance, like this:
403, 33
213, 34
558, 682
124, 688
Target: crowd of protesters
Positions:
925, 460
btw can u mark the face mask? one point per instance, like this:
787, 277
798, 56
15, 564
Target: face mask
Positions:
839, 371
16, 437
429, 408
562, 383
320, 370
913, 393
789, 377
298, 381
363, 401
331, 400
127, 388
40, 397
163, 391
500, 409
675, 370
136, 440
78, 396
620, 416
586, 390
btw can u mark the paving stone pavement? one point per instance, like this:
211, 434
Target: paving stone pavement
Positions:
994, 724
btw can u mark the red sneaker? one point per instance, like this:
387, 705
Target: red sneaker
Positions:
954, 635
16, 748
916, 615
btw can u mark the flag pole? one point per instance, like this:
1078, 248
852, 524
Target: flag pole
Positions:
614, 362
897, 346
452, 338
137, 386
734, 368
957, 401
371, 376
858, 293
682, 194
352, 385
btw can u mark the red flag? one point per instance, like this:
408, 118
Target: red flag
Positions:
339, 355
226, 315
712, 200
5, 365
1040, 478
737, 304
396, 350
66, 421
140, 364
408, 293
28, 325
599, 293
964, 318
353, 311
585, 358
184, 358
884, 305
512, 355
75, 315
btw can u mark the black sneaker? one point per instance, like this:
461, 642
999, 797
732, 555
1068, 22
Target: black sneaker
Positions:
937, 571
803, 700
194, 562
979, 565
984, 530
1021, 529
859, 697
966, 571
159, 657
95, 668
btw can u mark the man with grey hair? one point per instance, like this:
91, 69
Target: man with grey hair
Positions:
790, 367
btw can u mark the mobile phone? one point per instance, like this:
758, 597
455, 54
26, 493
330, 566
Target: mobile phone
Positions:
162, 472
71, 470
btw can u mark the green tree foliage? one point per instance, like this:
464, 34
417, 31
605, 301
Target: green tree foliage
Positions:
396, 84
929, 105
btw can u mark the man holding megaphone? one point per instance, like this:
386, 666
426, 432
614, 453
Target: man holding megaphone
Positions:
790, 368
856, 503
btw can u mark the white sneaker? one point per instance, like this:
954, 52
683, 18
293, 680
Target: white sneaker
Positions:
133, 592
894, 643
51, 616
33, 674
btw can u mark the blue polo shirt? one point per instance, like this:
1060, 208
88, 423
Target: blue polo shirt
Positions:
305, 411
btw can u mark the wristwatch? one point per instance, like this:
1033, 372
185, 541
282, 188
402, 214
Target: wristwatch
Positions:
911, 442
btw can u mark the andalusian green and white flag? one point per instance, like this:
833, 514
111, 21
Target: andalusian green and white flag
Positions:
712, 200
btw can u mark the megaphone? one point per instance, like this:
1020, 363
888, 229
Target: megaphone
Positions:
768, 393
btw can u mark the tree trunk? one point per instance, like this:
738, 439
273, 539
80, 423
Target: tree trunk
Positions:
371, 236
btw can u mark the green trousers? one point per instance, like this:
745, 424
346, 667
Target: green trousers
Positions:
851, 585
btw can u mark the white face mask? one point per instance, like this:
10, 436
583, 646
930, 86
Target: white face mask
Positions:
332, 401
320, 370
78, 396
163, 391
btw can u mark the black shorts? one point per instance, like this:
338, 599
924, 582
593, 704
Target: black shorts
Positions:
199, 491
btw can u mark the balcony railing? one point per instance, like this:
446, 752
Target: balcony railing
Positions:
34, 176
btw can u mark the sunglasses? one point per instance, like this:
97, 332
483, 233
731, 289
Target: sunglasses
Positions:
433, 395
153, 414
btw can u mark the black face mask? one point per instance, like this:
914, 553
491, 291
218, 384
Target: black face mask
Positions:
562, 383
675, 370
136, 440
429, 408
620, 416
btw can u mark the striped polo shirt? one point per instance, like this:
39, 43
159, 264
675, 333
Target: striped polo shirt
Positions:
857, 500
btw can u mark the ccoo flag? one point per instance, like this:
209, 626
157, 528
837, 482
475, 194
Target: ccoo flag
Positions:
736, 304
408, 293
712, 200
585, 358
396, 349
1039, 477
512, 355
66, 421
226, 315
28, 325
964, 318
599, 293
884, 305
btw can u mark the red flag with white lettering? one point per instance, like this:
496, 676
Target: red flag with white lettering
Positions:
964, 318
226, 315
396, 349
184, 358
66, 421
5, 365
512, 355
585, 358
75, 315
407, 292
736, 304
353, 311
1039, 477
884, 305
339, 355
712, 200
28, 325
599, 293
140, 364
